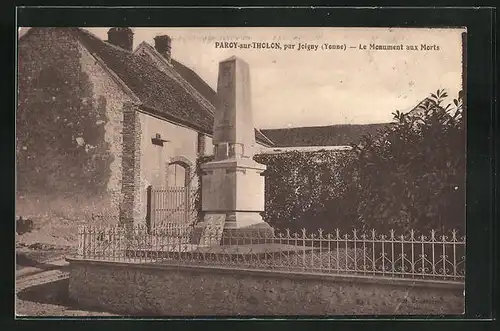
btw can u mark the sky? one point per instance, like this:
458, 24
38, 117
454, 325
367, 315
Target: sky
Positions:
292, 88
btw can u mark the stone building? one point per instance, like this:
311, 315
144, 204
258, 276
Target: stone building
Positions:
98, 122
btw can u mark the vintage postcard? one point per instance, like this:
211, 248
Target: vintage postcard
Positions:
240, 171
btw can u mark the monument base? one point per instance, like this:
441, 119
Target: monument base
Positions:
258, 233
213, 231
242, 219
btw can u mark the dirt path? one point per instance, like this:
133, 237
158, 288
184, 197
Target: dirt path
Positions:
45, 293
25, 308
39, 276
42, 290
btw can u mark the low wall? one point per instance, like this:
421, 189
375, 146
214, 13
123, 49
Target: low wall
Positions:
163, 290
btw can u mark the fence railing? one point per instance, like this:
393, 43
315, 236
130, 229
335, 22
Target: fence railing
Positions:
433, 256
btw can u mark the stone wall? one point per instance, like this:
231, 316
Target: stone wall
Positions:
141, 289
69, 123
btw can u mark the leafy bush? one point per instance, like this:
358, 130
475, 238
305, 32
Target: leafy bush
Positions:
310, 190
413, 174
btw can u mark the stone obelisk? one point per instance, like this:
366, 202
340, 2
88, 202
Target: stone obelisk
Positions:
232, 184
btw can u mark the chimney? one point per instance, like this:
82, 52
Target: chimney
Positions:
121, 37
163, 45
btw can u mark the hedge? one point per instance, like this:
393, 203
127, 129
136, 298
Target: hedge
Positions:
307, 190
413, 174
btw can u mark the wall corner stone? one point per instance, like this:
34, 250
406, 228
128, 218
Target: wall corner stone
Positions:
131, 161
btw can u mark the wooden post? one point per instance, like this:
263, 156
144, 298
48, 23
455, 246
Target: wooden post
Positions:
186, 204
187, 191
148, 208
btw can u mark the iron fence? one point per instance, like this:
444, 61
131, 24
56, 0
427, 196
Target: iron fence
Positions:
433, 256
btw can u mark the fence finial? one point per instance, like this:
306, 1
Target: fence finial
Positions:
320, 233
304, 232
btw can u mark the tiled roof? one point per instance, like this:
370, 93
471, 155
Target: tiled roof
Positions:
187, 76
196, 81
154, 88
159, 92
160, 62
332, 135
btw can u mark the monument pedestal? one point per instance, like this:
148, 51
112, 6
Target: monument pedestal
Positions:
234, 187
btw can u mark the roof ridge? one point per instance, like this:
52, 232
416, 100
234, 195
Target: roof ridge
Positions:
148, 45
323, 126
332, 135
104, 41
182, 80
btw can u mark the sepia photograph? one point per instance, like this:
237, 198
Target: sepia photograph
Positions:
240, 171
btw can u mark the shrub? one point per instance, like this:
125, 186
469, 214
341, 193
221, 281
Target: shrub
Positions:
309, 190
413, 174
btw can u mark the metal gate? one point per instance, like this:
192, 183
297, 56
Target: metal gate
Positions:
170, 205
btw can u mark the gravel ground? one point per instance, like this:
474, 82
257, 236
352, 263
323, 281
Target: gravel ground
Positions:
25, 308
